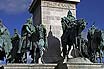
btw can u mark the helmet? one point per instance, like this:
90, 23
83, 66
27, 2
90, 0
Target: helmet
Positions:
69, 13
29, 20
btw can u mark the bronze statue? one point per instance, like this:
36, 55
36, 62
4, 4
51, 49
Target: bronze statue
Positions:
33, 40
26, 33
67, 21
94, 41
2, 56
42, 44
72, 29
5, 40
84, 48
102, 47
16, 43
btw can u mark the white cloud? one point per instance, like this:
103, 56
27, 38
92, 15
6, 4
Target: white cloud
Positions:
14, 6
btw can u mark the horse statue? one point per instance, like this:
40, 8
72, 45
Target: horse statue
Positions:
72, 34
94, 41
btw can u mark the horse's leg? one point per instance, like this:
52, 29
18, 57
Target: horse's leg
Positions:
76, 42
42, 49
95, 56
37, 53
101, 56
64, 39
41, 56
69, 48
24, 57
33, 52
37, 57
32, 55
64, 49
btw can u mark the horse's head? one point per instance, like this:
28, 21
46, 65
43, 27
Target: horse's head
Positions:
92, 30
81, 24
98, 33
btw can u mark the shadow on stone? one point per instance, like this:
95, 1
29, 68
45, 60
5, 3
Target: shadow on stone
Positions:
61, 66
53, 54
79, 60
1, 67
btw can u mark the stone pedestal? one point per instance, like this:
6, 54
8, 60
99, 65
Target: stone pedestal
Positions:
52, 66
49, 13
79, 60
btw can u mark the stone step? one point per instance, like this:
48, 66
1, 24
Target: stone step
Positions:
29, 66
52, 66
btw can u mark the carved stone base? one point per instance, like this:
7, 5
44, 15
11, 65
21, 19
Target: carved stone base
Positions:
78, 60
53, 66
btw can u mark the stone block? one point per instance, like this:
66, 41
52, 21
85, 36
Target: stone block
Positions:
52, 66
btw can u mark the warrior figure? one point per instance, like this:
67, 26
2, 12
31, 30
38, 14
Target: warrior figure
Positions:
5, 40
42, 44
26, 33
67, 24
94, 41
71, 36
16, 43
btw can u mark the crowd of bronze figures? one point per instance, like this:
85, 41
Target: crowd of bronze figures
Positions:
33, 41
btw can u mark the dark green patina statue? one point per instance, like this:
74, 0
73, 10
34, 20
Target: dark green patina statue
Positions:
33, 41
102, 47
42, 43
94, 43
71, 36
16, 43
67, 21
5, 40
27, 30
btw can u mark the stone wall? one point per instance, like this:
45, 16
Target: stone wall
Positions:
52, 12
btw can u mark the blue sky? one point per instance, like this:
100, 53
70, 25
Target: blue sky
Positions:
15, 12
92, 11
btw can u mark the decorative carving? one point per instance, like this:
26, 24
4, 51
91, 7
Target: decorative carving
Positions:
58, 5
